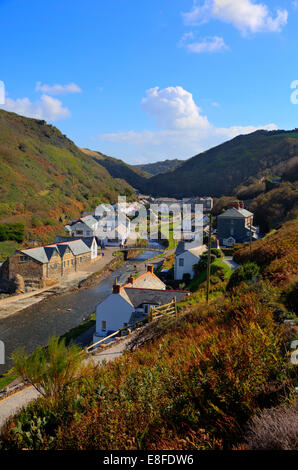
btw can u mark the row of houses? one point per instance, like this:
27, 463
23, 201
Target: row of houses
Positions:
43, 266
110, 227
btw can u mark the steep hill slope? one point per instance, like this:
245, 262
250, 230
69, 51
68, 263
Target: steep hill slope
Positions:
241, 161
119, 169
160, 167
45, 178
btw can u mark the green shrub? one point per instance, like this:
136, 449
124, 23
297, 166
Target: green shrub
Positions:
217, 252
51, 370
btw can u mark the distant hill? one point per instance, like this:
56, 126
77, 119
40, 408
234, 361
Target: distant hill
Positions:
160, 167
220, 171
119, 169
45, 179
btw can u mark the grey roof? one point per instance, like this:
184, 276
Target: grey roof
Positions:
180, 249
43, 254
87, 240
78, 247
89, 220
234, 213
39, 254
141, 296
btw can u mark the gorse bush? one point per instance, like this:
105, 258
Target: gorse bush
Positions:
52, 370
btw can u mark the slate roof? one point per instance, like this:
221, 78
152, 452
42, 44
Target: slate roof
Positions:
140, 296
147, 280
195, 250
236, 213
87, 240
180, 249
43, 254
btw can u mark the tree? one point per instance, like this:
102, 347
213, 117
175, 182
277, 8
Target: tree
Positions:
3, 234
54, 369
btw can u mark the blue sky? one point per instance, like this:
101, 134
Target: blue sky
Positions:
149, 80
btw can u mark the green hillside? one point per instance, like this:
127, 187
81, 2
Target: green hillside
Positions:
160, 167
119, 169
45, 179
243, 160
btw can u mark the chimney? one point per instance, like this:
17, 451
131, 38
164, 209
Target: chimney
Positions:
116, 287
236, 204
150, 268
130, 280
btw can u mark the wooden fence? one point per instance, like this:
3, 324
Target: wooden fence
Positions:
154, 314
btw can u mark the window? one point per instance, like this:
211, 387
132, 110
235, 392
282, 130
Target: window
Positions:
232, 231
181, 261
103, 325
146, 308
79, 232
23, 259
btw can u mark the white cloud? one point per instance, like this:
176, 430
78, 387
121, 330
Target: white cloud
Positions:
245, 15
208, 44
182, 129
47, 108
58, 89
173, 108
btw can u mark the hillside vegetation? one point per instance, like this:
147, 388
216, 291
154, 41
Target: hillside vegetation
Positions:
45, 179
192, 382
118, 169
242, 161
160, 167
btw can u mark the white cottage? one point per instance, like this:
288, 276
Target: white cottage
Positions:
132, 302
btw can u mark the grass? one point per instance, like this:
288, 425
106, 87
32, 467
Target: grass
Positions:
7, 378
195, 283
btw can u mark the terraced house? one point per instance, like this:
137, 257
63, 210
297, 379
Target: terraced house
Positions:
45, 265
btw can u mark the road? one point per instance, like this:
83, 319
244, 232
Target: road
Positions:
229, 261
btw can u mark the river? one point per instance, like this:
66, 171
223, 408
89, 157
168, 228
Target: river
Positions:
56, 315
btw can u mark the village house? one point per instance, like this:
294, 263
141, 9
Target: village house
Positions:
111, 228
206, 202
186, 255
132, 302
43, 266
236, 225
